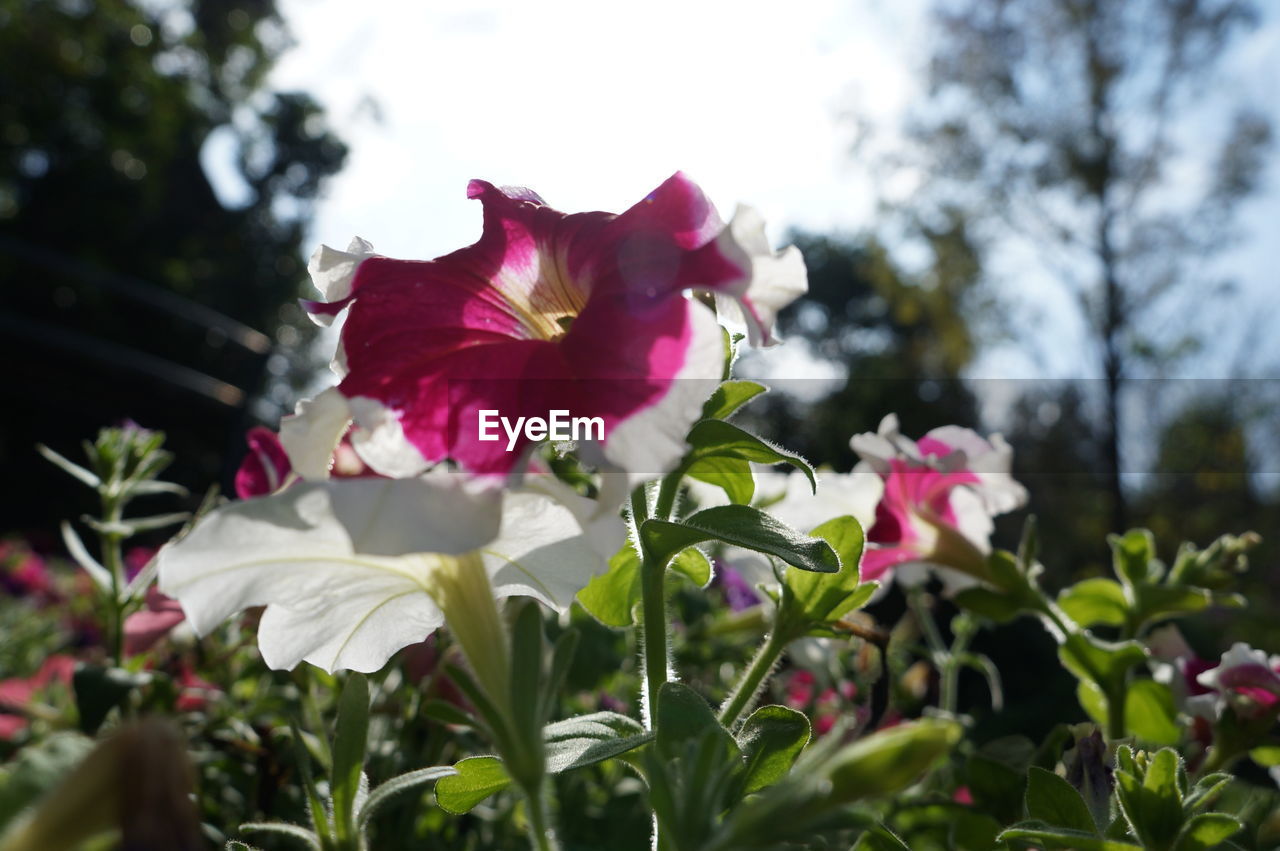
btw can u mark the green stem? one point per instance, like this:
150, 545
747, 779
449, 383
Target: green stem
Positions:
944, 658
766, 657
950, 694
541, 834
654, 633
1115, 697
113, 561
667, 496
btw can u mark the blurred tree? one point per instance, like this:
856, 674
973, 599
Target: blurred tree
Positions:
133, 284
1063, 124
902, 337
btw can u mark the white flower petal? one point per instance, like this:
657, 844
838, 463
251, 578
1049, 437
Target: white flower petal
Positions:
651, 442
380, 441
774, 281
313, 432
542, 551
333, 272
304, 547
361, 626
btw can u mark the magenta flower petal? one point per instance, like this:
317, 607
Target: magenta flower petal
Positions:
265, 467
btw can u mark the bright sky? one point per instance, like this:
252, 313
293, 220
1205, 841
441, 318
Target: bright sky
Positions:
592, 104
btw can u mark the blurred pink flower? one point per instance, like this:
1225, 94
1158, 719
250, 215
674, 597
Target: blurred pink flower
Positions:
23, 573
144, 629
940, 494
16, 694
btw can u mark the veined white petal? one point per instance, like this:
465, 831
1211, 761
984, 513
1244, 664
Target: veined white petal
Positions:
542, 551
312, 433
308, 547
373, 614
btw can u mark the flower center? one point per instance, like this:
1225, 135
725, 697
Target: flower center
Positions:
546, 299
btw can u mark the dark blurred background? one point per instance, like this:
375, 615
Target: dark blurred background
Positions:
130, 290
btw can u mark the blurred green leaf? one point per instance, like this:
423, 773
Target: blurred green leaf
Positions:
1095, 601
771, 740
1207, 831
1150, 714
1054, 801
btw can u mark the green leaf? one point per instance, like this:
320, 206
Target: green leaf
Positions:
729, 397
1150, 800
526, 674
717, 438
880, 838
80, 555
1162, 601
682, 718
1150, 714
445, 712
1053, 800
1095, 601
996, 776
771, 740
1133, 556
562, 653
69, 467
589, 739
611, 597
1055, 837
1206, 831
477, 778
989, 603
1205, 792
293, 831
99, 690
1102, 662
730, 474
822, 598
349, 746
395, 786
694, 565
740, 526
888, 761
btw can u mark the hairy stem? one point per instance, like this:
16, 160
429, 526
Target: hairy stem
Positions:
766, 657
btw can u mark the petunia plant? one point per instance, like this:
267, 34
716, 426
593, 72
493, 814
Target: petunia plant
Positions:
574, 639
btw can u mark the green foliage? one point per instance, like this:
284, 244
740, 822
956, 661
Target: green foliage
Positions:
739, 526
811, 600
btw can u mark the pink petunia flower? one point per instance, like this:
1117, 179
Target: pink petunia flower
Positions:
145, 628
587, 313
1245, 679
940, 494
17, 693
265, 467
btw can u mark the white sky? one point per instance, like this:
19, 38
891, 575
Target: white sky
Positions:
592, 104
